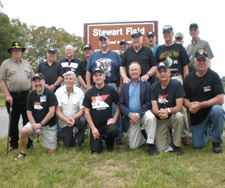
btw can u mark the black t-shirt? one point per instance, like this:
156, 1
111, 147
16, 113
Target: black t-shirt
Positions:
51, 73
99, 101
39, 104
175, 54
81, 69
144, 57
202, 89
166, 98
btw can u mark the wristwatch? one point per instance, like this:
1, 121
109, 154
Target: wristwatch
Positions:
169, 111
55, 85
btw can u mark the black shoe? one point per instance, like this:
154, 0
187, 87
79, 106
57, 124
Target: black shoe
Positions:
109, 148
152, 149
217, 148
11, 148
30, 146
178, 150
119, 142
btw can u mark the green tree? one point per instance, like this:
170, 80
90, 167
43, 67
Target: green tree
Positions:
39, 39
8, 32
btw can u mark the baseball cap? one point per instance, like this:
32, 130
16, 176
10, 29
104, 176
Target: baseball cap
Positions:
136, 33
98, 70
38, 75
163, 64
150, 34
104, 36
167, 28
52, 50
87, 46
201, 53
193, 25
179, 36
123, 42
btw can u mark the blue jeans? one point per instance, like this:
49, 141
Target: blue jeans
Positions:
213, 125
118, 122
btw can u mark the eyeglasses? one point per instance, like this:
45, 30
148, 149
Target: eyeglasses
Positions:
163, 71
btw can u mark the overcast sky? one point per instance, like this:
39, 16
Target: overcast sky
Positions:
72, 14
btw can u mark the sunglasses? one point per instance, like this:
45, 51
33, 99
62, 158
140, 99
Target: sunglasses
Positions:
163, 71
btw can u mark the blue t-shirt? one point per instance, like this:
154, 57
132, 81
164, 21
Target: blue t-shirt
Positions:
109, 62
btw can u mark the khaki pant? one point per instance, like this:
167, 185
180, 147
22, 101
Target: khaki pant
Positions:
162, 137
135, 136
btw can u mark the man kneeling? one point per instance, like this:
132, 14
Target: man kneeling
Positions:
135, 106
41, 105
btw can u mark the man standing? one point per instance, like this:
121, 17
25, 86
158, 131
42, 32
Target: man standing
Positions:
197, 43
167, 103
135, 106
70, 63
98, 112
15, 82
41, 105
109, 61
81, 69
151, 40
174, 53
51, 70
179, 38
123, 45
140, 54
70, 112
204, 99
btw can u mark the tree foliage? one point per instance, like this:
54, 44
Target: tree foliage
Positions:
39, 39
8, 32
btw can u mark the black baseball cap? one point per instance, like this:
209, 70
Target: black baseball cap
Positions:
168, 28
98, 70
104, 36
136, 34
201, 53
163, 64
123, 42
150, 34
52, 50
193, 25
38, 75
87, 46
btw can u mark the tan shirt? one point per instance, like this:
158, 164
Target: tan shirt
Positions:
16, 75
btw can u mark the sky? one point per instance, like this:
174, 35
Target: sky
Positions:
72, 14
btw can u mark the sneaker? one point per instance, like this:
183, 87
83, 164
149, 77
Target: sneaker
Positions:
178, 150
217, 148
152, 149
119, 142
168, 149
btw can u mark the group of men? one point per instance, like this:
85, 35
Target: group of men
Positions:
141, 91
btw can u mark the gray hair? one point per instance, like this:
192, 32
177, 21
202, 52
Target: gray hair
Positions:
69, 73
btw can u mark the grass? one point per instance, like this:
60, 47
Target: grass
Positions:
2, 100
121, 168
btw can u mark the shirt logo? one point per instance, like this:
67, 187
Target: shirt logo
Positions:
37, 106
98, 103
162, 99
106, 65
207, 88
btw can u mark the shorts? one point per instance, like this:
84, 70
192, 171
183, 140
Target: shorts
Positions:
49, 139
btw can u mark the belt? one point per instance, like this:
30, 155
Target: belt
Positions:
19, 92
176, 74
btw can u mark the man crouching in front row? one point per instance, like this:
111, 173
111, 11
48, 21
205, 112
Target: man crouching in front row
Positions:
41, 105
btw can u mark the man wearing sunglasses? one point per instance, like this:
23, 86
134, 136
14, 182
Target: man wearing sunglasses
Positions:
167, 103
